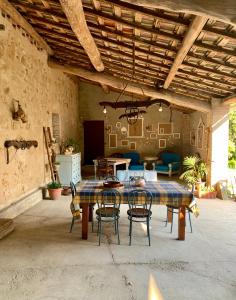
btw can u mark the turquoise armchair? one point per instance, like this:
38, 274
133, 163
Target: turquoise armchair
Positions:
135, 163
169, 163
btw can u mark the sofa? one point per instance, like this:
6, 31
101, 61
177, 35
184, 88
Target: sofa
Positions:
135, 164
169, 163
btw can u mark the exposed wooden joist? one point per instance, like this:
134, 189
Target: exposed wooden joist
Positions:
191, 35
105, 88
19, 20
230, 100
73, 9
119, 84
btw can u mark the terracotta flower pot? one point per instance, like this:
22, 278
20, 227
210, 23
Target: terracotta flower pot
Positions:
54, 194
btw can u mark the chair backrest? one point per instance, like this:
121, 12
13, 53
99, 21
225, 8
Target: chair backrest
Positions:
140, 197
169, 157
134, 156
124, 175
108, 198
73, 188
102, 163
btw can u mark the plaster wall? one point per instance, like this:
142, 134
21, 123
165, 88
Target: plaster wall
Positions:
25, 76
91, 95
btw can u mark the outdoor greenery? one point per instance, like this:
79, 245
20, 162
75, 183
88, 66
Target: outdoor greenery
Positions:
54, 185
195, 169
232, 140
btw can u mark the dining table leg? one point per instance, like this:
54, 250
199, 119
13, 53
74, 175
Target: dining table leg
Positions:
169, 215
181, 227
85, 220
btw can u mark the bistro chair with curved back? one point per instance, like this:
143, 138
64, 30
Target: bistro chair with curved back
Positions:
140, 203
108, 202
103, 168
172, 209
75, 208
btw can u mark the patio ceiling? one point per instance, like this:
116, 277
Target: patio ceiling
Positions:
177, 53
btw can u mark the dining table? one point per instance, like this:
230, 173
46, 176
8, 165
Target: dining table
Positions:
163, 193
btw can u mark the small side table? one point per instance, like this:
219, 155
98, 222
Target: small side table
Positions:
149, 160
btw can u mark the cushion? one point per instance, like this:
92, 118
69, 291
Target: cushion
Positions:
162, 168
139, 212
167, 157
134, 156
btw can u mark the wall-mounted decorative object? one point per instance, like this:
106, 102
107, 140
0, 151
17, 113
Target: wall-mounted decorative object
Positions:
124, 143
150, 128
193, 138
123, 130
132, 114
153, 136
118, 125
162, 143
108, 128
132, 145
18, 113
19, 145
200, 133
136, 130
176, 136
164, 128
112, 140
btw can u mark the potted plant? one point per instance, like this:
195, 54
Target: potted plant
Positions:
54, 190
195, 170
56, 165
207, 192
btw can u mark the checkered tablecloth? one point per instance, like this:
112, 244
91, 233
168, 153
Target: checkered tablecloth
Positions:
163, 192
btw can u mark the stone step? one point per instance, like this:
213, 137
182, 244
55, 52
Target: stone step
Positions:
6, 227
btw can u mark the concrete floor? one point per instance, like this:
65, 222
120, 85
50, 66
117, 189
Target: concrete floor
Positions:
41, 260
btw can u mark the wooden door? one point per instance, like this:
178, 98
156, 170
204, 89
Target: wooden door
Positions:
93, 140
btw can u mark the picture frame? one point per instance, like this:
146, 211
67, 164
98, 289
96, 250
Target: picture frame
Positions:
153, 136
162, 143
150, 128
136, 130
165, 128
132, 145
112, 140
200, 135
176, 135
124, 143
118, 125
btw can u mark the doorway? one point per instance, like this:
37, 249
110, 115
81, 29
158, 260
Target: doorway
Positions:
93, 140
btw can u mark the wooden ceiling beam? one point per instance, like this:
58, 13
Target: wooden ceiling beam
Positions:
10, 10
74, 12
119, 84
189, 38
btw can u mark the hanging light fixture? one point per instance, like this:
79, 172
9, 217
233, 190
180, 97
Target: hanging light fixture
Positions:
160, 107
104, 110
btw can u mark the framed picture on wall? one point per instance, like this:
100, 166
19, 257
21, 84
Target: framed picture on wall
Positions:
136, 130
176, 136
200, 135
124, 143
153, 136
118, 125
193, 138
112, 140
162, 143
164, 128
132, 145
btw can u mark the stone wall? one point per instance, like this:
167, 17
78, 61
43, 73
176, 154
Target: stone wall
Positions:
91, 95
25, 76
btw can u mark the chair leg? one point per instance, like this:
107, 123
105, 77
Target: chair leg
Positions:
115, 227
118, 234
100, 230
148, 231
172, 221
130, 231
190, 222
72, 224
166, 217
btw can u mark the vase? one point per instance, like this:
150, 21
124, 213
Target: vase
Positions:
54, 194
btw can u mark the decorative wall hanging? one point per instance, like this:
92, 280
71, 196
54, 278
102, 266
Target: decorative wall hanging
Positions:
112, 140
150, 128
164, 128
123, 130
136, 130
124, 143
18, 113
132, 145
193, 138
200, 133
108, 128
176, 136
22, 144
118, 125
162, 143
153, 136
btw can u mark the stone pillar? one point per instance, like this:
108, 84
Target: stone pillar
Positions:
218, 146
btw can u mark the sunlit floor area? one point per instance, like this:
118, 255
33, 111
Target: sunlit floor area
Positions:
42, 260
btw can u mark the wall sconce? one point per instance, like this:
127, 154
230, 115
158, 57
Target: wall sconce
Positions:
18, 113
160, 108
104, 110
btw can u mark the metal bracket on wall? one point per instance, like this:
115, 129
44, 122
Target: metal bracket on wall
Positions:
19, 145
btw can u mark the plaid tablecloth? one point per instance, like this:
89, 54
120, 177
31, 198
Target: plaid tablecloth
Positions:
163, 192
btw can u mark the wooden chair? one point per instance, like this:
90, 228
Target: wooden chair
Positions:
139, 212
103, 169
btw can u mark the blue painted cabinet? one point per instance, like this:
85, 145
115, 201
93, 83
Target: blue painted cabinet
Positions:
70, 168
